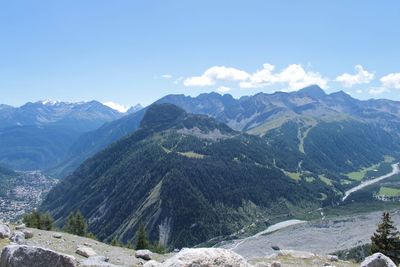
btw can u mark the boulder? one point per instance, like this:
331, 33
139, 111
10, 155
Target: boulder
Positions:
144, 254
209, 257
378, 260
18, 237
28, 233
20, 227
57, 235
332, 258
31, 256
276, 248
85, 251
5, 231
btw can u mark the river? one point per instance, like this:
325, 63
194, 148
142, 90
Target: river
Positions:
395, 170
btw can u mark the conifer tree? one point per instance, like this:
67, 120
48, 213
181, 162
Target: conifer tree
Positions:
386, 239
76, 224
142, 242
38, 220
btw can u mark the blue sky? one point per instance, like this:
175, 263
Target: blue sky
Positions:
138, 51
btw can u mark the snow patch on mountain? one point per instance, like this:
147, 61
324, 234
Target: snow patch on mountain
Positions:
117, 107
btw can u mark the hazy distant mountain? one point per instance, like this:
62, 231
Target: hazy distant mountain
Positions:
81, 117
134, 109
38, 135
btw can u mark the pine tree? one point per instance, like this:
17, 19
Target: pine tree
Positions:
46, 222
76, 224
38, 220
142, 242
386, 239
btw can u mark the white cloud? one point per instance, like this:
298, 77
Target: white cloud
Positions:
293, 76
178, 80
223, 89
391, 80
117, 107
297, 77
377, 90
214, 74
166, 76
359, 91
362, 76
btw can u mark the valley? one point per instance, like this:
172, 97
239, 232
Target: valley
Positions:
21, 192
242, 177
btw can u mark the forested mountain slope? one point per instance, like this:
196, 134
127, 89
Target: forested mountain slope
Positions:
187, 177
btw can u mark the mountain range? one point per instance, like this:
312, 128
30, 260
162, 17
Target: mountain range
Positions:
256, 115
38, 135
192, 168
187, 177
190, 177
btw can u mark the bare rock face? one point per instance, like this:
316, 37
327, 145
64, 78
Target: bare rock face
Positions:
5, 231
378, 260
209, 257
143, 254
31, 256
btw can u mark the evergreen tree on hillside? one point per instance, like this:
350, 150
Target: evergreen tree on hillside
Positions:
142, 242
38, 220
386, 239
76, 224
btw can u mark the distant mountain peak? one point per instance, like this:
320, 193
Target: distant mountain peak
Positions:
312, 91
162, 116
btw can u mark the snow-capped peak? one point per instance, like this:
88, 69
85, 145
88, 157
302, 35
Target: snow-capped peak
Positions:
49, 102
117, 107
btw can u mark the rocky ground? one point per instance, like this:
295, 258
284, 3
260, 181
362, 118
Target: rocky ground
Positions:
321, 237
68, 244
285, 245
117, 256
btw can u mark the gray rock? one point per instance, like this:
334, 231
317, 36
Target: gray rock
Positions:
28, 233
57, 235
20, 227
5, 231
85, 251
144, 254
276, 248
152, 263
378, 260
30, 256
18, 237
276, 264
262, 264
209, 257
